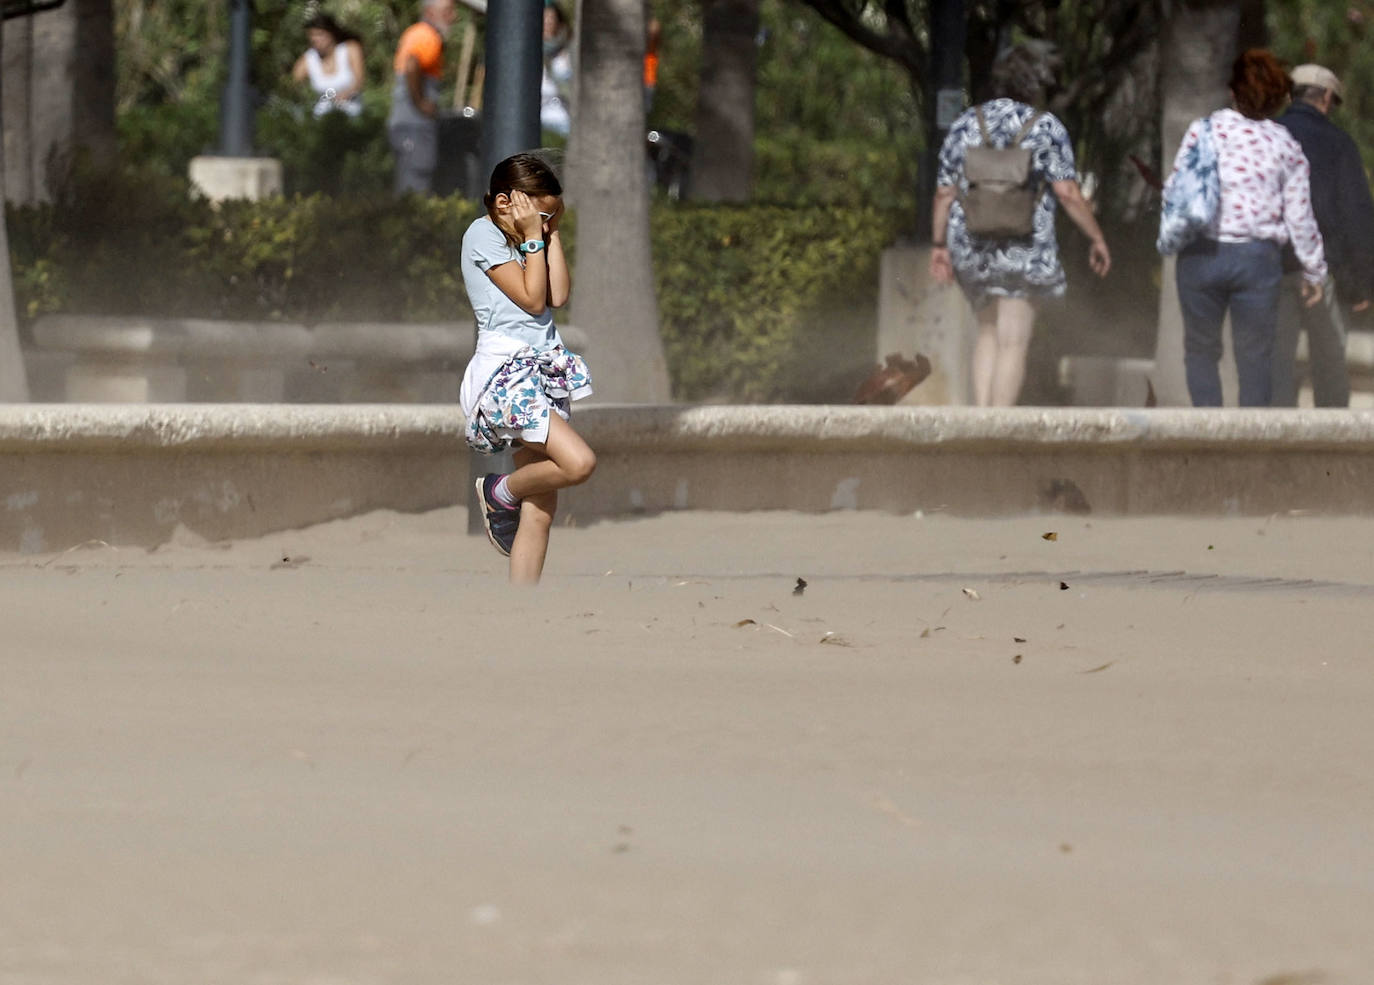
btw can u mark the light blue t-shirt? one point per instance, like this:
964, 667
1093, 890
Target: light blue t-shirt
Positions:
484, 247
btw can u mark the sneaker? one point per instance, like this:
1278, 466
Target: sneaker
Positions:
500, 522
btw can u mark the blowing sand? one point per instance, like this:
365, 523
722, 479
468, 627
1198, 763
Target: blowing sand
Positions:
963, 755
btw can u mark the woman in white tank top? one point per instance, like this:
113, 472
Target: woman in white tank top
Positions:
333, 65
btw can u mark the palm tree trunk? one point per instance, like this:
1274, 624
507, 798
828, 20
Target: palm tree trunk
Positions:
60, 74
14, 386
1200, 43
613, 283
723, 155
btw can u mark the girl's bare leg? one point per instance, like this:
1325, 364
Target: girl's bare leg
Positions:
540, 471
532, 539
563, 460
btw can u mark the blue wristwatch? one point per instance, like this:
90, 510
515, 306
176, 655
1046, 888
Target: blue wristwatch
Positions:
531, 246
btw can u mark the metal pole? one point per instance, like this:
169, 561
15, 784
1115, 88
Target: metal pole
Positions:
944, 98
515, 65
236, 107
510, 124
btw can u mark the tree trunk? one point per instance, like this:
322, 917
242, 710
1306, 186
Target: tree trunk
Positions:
14, 386
59, 82
1200, 43
613, 283
723, 155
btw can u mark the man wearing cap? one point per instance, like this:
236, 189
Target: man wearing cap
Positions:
1345, 216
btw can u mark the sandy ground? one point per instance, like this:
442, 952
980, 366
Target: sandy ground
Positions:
964, 755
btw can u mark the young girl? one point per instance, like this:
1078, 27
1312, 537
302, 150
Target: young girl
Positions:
516, 274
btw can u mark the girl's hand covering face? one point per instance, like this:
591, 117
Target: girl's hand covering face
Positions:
524, 215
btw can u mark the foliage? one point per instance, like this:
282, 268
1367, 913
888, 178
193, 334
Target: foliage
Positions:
756, 301
833, 122
168, 51
793, 169
1337, 36
821, 99
170, 71
164, 138
1102, 48
139, 243
334, 154
752, 298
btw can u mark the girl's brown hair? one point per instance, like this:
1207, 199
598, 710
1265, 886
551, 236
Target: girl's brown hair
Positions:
519, 173
1258, 83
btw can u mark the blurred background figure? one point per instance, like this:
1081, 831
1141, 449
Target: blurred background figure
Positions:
1005, 277
555, 88
1237, 268
333, 65
1345, 216
413, 126
653, 34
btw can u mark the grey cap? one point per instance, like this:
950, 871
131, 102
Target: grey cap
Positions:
1319, 76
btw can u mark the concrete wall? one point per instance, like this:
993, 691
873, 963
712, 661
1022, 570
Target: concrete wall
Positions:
129, 475
106, 359
917, 315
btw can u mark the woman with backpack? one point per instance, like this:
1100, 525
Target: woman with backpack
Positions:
1003, 168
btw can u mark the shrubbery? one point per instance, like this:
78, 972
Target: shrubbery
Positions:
757, 303
149, 247
768, 302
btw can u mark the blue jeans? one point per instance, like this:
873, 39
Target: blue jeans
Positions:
1244, 278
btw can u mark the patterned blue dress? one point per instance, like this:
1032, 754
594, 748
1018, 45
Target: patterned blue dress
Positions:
1020, 268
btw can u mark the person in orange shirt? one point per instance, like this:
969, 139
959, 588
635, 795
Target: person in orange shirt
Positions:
413, 125
652, 32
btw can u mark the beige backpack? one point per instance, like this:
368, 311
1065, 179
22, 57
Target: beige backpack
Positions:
1000, 201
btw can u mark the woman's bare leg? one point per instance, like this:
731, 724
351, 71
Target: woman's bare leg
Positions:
985, 354
1015, 318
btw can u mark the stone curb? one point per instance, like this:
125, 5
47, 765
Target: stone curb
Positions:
34, 428
821, 428
664, 428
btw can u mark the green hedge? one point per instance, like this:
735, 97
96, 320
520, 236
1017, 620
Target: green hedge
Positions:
766, 303
757, 303
149, 247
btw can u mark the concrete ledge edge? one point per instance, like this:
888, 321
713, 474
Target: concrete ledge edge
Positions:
817, 429
115, 427
877, 429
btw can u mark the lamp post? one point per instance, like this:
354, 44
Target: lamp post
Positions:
510, 124
233, 170
236, 103
944, 97
515, 66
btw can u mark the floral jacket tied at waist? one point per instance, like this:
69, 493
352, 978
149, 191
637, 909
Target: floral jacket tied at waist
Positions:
515, 403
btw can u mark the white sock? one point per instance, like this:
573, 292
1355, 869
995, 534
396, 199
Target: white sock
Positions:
502, 494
